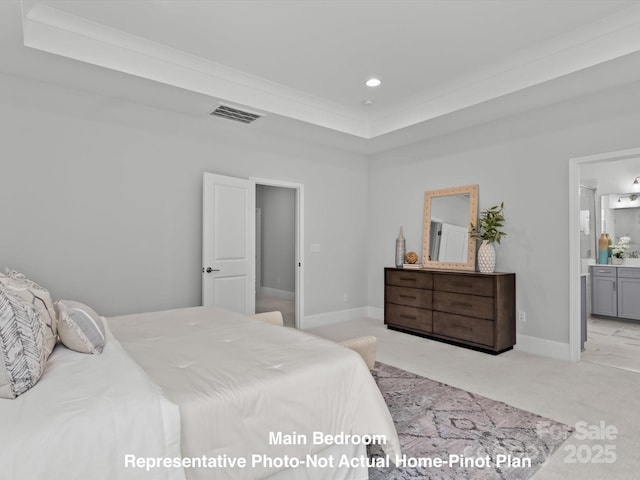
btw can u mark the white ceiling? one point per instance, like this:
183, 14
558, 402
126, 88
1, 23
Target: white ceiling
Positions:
444, 64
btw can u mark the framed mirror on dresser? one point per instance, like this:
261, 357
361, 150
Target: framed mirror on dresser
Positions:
446, 299
448, 213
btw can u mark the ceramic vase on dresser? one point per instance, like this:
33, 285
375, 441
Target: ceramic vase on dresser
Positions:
486, 257
401, 249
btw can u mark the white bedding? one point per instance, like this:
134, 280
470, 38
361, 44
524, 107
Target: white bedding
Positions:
236, 379
85, 414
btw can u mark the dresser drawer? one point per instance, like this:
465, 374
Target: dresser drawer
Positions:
402, 278
459, 327
412, 297
409, 317
471, 284
472, 305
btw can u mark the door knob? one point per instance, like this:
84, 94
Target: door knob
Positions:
209, 270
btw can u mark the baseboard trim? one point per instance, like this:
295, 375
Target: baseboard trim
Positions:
541, 346
278, 293
375, 312
329, 318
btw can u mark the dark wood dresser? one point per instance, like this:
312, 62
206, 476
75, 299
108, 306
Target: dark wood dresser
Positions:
476, 310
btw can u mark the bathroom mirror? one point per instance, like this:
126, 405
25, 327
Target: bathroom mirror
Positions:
446, 242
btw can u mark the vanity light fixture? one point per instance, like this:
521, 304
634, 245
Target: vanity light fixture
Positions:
373, 82
636, 184
631, 198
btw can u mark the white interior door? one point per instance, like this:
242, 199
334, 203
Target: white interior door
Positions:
454, 241
228, 243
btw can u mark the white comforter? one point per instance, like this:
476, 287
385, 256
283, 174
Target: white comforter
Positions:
85, 414
237, 380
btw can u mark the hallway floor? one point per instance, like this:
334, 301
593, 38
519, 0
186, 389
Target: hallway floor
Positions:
268, 302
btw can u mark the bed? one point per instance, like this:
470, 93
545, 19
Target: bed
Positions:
203, 386
239, 381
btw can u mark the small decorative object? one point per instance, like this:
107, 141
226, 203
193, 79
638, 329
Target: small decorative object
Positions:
610, 244
617, 251
488, 229
400, 250
603, 249
411, 257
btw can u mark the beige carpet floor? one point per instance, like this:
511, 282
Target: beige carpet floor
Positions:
564, 391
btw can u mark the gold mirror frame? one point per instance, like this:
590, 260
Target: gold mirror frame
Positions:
470, 264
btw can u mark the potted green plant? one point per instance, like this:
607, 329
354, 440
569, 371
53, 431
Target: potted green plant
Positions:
489, 230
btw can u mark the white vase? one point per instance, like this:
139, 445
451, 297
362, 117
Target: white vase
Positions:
486, 257
616, 261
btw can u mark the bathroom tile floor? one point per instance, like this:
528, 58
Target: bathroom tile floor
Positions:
614, 343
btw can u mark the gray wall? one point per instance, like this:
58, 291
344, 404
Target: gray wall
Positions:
522, 161
102, 199
278, 206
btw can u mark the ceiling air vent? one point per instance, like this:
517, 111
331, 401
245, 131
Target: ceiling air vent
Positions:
238, 115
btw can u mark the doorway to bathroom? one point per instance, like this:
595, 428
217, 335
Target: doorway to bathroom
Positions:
603, 205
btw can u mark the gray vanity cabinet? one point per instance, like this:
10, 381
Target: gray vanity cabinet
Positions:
615, 291
604, 297
629, 293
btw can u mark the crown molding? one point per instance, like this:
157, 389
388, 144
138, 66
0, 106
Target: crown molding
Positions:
51, 30
54, 31
607, 39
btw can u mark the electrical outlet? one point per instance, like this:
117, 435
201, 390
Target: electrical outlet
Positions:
522, 316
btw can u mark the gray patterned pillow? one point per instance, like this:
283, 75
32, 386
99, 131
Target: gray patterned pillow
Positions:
32, 293
22, 345
80, 328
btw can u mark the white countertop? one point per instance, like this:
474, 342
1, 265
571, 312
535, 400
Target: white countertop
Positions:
617, 266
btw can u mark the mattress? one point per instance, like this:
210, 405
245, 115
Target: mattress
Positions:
246, 389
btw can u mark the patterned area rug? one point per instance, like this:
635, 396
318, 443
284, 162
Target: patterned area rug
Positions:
449, 434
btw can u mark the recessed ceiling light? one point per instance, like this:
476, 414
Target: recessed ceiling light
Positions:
372, 82
368, 102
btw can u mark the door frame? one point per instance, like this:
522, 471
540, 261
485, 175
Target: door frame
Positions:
574, 239
299, 241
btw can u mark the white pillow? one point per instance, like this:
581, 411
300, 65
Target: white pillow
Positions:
23, 354
80, 328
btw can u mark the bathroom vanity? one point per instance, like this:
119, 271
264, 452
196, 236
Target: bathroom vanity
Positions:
615, 291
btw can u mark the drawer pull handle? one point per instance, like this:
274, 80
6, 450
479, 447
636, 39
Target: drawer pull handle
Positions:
603, 271
409, 317
462, 304
466, 329
462, 284
407, 279
412, 297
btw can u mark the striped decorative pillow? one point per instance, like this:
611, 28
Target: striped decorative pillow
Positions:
80, 328
32, 293
23, 339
